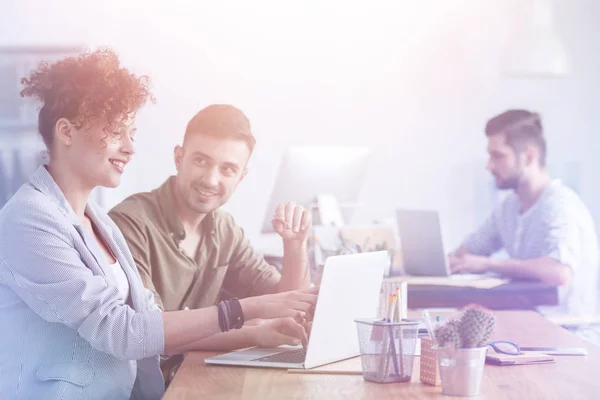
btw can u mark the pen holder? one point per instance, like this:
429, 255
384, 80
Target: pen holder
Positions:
387, 349
429, 367
461, 370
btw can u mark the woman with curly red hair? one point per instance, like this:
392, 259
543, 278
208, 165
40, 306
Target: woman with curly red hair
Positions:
76, 320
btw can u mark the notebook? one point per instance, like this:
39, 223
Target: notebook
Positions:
525, 358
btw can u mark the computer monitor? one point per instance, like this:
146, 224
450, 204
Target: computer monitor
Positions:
306, 173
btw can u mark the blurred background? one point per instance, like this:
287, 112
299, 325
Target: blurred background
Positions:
415, 81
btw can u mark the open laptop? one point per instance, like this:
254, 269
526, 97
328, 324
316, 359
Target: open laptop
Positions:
422, 246
350, 289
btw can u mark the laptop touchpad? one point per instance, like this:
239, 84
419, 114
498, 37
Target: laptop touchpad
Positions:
255, 352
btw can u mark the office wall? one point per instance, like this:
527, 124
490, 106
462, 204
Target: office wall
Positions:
416, 80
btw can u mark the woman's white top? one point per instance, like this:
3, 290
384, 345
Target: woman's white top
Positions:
122, 282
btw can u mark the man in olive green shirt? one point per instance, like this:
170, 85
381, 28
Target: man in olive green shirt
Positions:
189, 252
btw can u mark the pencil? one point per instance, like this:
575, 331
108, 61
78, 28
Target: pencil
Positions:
391, 318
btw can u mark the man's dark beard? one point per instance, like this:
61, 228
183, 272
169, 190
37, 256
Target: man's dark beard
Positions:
509, 184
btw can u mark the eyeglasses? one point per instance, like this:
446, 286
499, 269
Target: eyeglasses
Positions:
505, 347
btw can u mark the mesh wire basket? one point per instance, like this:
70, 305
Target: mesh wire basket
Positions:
387, 349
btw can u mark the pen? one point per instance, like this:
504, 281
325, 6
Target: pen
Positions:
385, 345
429, 324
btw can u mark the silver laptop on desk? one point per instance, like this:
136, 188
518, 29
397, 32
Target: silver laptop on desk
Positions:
350, 289
422, 246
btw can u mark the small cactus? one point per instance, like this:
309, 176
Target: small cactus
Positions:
476, 327
448, 335
472, 329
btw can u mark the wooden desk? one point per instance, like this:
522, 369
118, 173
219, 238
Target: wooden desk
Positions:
568, 378
511, 296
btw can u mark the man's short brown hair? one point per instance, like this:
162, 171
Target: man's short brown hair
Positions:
222, 121
521, 128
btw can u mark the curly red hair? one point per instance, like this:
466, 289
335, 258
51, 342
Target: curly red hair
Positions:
85, 88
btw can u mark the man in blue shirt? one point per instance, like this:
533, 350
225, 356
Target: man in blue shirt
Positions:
544, 227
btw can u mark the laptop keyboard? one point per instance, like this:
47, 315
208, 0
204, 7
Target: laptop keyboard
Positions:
466, 277
292, 357
474, 276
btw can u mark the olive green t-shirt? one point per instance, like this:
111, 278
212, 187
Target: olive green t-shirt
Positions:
225, 259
